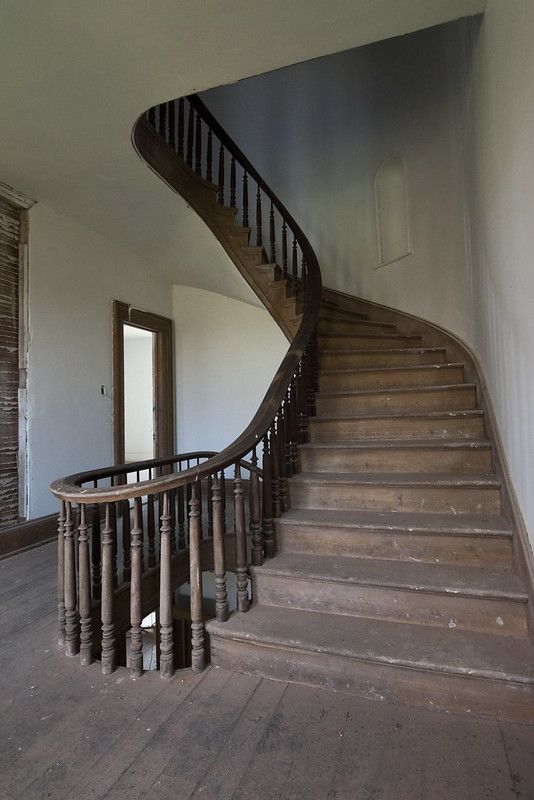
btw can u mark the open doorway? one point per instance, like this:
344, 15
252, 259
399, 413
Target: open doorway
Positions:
143, 383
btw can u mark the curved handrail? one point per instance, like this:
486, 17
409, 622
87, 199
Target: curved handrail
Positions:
69, 488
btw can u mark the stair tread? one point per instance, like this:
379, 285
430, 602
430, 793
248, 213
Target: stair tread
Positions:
394, 444
441, 650
389, 350
391, 368
467, 412
457, 580
399, 521
398, 479
356, 321
368, 336
392, 389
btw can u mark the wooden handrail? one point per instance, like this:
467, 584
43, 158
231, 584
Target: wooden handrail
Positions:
190, 504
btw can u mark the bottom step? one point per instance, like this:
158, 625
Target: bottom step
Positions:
445, 669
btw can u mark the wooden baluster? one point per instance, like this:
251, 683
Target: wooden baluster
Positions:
72, 643
126, 533
190, 135
259, 234
136, 635
245, 200
272, 234
172, 520
281, 449
181, 127
195, 578
267, 521
232, 183
61, 575
199, 498
241, 560
255, 512
162, 108
275, 471
96, 570
294, 265
108, 656
151, 531
209, 157
152, 116
288, 432
209, 492
198, 145
84, 572
294, 426
171, 114
219, 556
166, 657
220, 194
301, 390
115, 543
284, 249
181, 518
223, 498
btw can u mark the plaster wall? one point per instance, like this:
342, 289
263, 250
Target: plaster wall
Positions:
227, 353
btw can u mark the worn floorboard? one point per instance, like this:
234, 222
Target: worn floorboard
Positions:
68, 733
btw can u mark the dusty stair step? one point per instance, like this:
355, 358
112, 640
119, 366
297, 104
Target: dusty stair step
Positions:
227, 213
453, 397
337, 313
396, 357
390, 377
366, 341
395, 491
469, 598
449, 669
329, 326
396, 455
270, 273
475, 540
449, 425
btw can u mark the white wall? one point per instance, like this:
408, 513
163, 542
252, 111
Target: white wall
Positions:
501, 88
75, 275
227, 353
138, 394
318, 131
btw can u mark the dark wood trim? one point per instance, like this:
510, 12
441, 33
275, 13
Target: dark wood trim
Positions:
164, 444
26, 535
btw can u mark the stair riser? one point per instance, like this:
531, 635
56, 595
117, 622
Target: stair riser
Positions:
399, 546
341, 430
347, 360
397, 605
377, 681
393, 378
352, 326
241, 239
395, 460
457, 399
365, 342
383, 497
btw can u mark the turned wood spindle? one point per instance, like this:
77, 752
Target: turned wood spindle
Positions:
61, 575
190, 135
245, 200
281, 451
209, 504
136, 634
275, 471
284, 249
108, 656
198, 145
151, 531
267, 520
259, 233
96, 569
219, 556
126, 529
84, 573
195, 577
180, 515
180, 147
240, 542
72, 640
255, 512
209, 156
232, 183
294, 263
113, 521
220, 193
272, 235
166, 645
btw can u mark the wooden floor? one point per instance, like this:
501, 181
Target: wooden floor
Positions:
70, 733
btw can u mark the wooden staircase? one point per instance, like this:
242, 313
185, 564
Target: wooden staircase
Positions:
393, 574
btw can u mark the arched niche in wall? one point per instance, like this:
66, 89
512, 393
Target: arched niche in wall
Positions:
391, 204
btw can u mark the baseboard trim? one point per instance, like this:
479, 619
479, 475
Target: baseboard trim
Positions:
27, 535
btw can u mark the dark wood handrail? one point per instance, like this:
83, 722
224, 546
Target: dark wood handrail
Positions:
68, 488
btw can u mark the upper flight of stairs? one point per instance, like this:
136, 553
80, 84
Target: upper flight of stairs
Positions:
393, 574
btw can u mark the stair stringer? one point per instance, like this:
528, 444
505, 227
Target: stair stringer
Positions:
436, 336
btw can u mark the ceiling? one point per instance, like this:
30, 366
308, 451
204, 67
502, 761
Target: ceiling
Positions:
81, 72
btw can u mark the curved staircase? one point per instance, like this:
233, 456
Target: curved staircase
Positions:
393, 573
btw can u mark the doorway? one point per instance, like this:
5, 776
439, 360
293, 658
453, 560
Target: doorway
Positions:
143, 385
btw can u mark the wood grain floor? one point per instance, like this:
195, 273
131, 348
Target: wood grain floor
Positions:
70, 733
